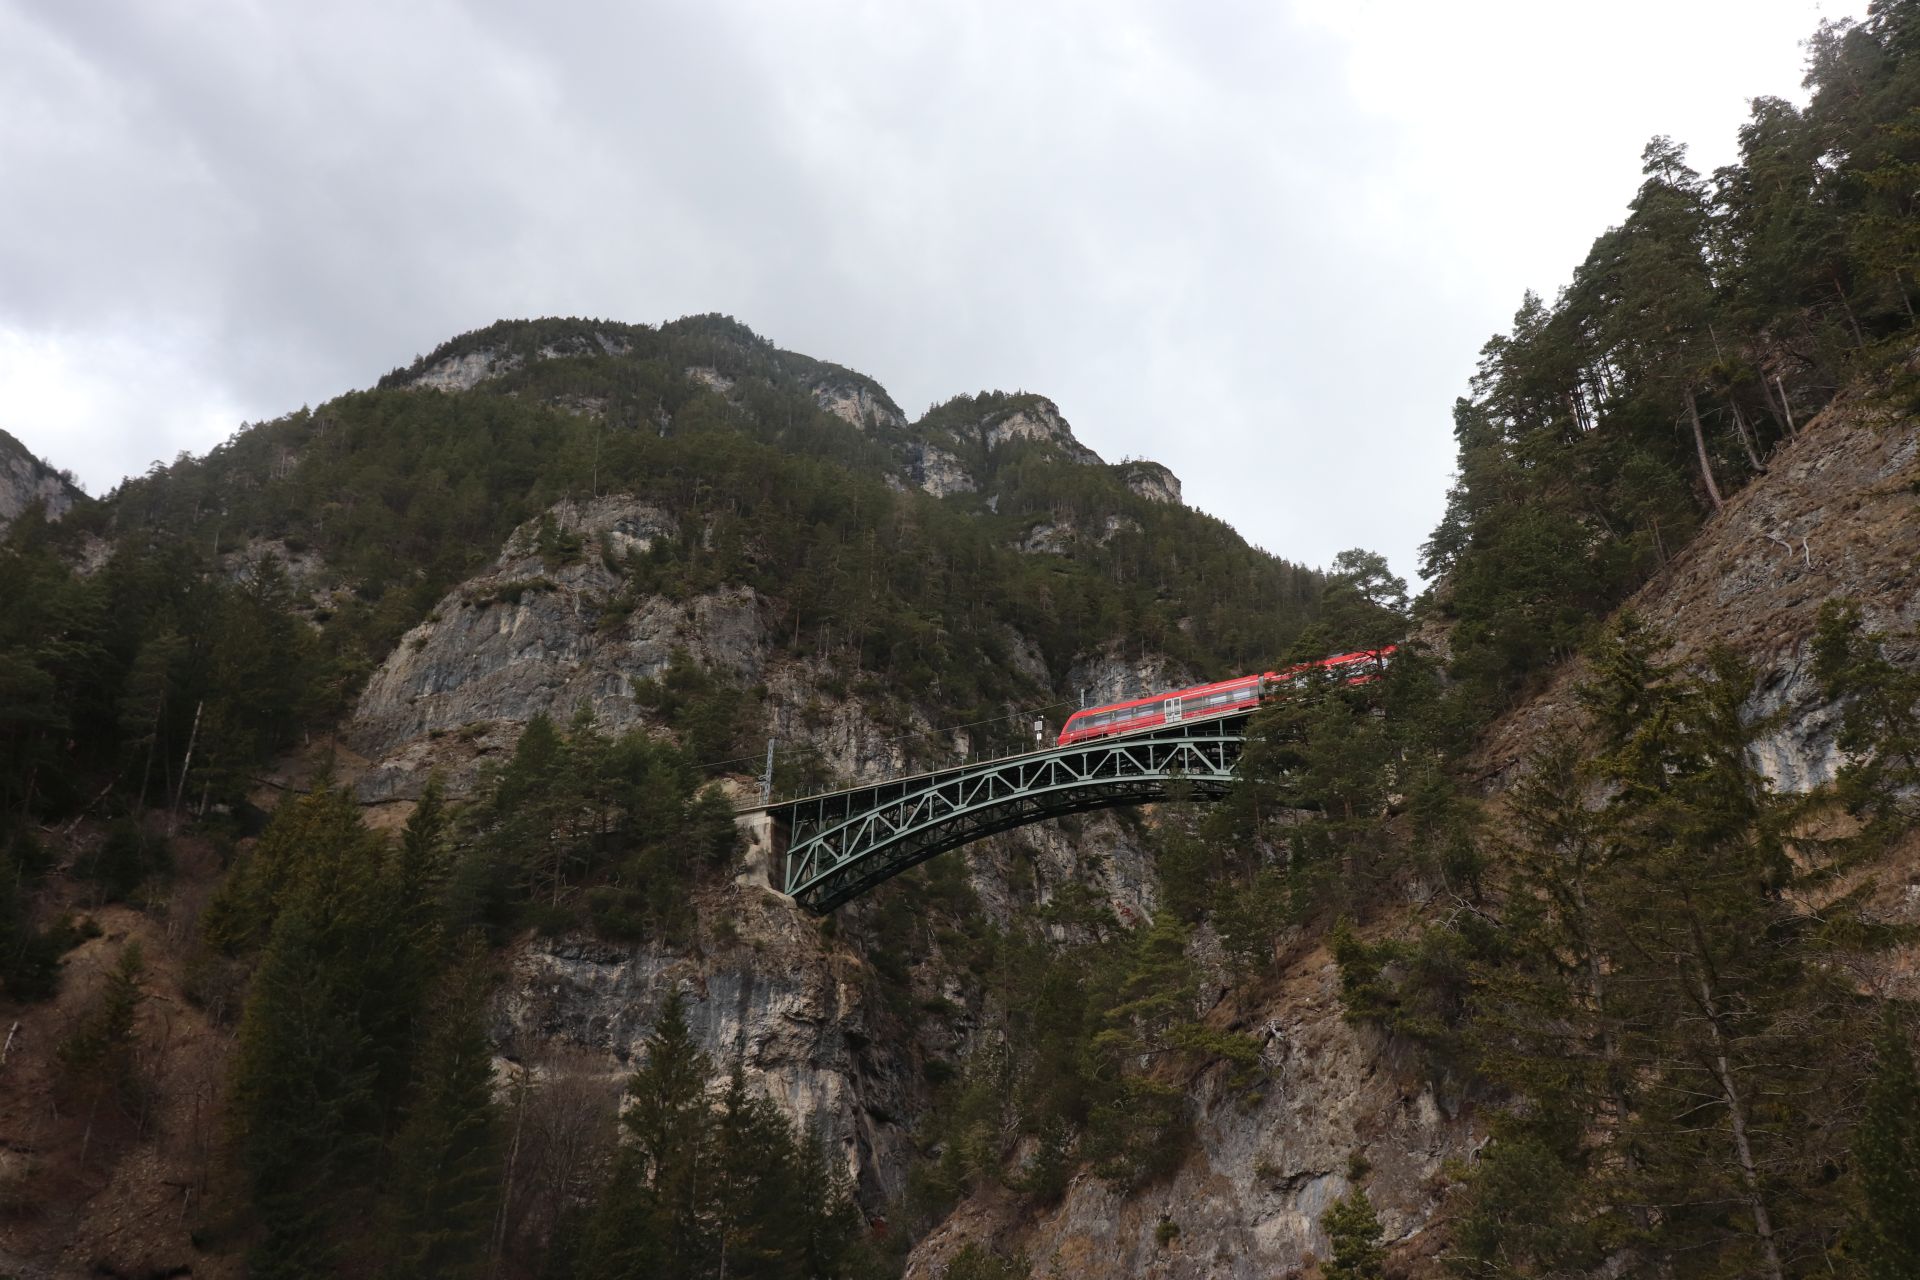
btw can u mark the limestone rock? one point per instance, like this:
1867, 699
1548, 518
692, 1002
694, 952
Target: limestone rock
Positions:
1267, 1160
937, 471
792, 1012
1834, 518
857, 402
25, 481
533, 637
465, 372
1152, 481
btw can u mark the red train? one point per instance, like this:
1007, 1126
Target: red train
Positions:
1216, 699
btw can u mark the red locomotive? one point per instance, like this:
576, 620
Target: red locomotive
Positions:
1216, 699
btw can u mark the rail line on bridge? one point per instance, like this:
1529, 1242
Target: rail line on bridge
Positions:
831, 847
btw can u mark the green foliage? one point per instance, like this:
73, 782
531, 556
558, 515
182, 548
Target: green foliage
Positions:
404, 493
1887, 1160
582, 827
124, 860
29, 954
1527, 1208
1603, 428
1673, 1029
241, 916
1880, 723
1353, 1231
441, 1195
326, 1042
699, 1190
712, 717
975, 1262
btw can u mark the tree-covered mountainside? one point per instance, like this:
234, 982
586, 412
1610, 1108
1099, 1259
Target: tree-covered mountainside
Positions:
219, 616
1697, 335
403, 492
1578, 943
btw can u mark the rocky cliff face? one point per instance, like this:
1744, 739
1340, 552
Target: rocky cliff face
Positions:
1265, 1166
536, 635
546, 629
795, 1012
26, 482
1152, 481
858, 401
798, 1009
1837, 516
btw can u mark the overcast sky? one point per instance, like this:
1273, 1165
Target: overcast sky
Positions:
1261, 243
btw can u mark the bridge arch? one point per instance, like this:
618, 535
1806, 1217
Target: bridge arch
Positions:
835, 846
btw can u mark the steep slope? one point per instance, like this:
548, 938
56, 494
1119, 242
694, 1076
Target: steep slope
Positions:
25, 481
1836, 517
554, 517
868, 1028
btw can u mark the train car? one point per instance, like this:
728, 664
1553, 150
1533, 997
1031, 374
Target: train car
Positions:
1240, 694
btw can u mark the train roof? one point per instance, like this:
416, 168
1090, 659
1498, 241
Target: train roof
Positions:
1336, 660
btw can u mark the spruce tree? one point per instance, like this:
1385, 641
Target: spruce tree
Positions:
446, 1156
1886, 1154
326, 1038
756, 1188
1353, 1232
649, 1220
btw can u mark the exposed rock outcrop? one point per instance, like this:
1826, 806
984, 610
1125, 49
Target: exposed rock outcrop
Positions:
535, 635
1040, 421
937, 471
858, 402
25, 481
792, 1010
1836, 517
1151, 481
467, 371
1266, 1163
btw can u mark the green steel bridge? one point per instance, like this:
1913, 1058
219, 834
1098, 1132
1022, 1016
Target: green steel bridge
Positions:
832, 847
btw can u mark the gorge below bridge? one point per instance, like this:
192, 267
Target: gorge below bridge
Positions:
826, 849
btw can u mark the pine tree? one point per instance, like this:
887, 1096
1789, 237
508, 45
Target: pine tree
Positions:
446, 1155
756, 1185
649, 1219
1353, 1232
326, 1038
1717, 981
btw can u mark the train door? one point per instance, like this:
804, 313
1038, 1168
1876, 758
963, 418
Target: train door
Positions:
1172, 707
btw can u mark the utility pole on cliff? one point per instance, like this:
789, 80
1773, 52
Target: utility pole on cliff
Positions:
766, 779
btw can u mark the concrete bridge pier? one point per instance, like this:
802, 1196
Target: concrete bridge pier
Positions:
764, 838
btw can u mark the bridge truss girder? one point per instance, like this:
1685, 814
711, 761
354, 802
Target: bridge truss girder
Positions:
840, 844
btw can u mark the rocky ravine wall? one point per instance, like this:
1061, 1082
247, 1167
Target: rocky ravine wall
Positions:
1265, 1166
26, 482
797, 1010
1837, 515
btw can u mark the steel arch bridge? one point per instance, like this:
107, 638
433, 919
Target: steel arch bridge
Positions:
832, 847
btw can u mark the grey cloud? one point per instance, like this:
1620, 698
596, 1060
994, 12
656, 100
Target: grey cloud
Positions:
1176, 222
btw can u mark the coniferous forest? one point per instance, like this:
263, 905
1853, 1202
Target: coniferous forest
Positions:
1638, 965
